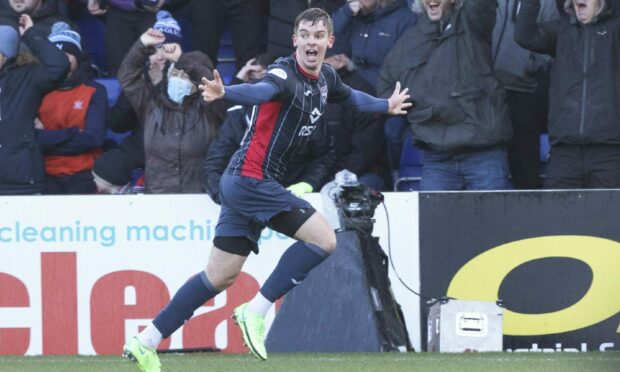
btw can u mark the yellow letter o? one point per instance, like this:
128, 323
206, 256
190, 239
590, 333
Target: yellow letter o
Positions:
481, 278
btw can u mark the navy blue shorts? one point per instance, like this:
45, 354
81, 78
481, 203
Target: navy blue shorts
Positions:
249, 205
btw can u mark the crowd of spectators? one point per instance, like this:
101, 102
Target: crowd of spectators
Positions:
487, 77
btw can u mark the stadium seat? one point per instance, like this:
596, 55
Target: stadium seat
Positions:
226, 62
113, 89
410, 168
93, 39
544, 154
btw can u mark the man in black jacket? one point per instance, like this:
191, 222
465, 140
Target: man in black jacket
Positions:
584, 95
21, 90
461, 117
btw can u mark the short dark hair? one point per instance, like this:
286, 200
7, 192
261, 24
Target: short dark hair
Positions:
314, 15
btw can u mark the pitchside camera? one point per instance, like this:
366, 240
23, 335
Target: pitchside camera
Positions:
356, 206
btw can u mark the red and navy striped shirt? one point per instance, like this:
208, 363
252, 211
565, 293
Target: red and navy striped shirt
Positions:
285, 123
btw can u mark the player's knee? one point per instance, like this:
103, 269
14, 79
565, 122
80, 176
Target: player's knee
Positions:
328, 243
220, 279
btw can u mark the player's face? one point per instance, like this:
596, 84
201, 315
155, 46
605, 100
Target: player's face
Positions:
312, 41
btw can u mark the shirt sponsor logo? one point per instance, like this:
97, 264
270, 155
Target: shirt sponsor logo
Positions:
315, 115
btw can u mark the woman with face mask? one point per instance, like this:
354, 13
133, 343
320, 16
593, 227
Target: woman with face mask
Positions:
178, 125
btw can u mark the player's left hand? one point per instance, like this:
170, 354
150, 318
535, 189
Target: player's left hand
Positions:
300, 188
396, 102
212, 89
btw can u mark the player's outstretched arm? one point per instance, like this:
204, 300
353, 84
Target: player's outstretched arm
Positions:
395, 105
398, 101
241, 94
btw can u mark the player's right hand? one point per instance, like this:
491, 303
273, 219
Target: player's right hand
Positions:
212, 89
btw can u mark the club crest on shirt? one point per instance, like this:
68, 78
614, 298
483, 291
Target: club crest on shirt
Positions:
279, 73
78, 105
323, 94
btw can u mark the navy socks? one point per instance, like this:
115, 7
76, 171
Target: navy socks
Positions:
193, 294
292, 269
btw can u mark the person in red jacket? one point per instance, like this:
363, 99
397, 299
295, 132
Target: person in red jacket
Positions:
71, 123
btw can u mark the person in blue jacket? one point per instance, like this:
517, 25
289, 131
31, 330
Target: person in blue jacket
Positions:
366, 30
22, 88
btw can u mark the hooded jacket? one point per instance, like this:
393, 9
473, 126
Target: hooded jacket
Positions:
584, 91
459, 103
22, 89
367, 38
176, 137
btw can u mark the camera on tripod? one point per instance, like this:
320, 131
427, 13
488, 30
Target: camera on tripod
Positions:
355, 203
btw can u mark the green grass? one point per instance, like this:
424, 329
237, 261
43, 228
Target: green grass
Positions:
350, 362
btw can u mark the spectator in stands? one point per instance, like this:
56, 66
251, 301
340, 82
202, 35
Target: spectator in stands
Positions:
310, 168
245, 18
366, 30
125, 21
22, 170
460, 119
584, 93
44, 13
115, 168
178, 124
522, 73
71, 123
254, 69
282, 14
357, 137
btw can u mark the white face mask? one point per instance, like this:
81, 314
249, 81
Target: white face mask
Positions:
178, 89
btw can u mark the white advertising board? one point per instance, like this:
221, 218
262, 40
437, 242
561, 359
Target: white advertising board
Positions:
80, 274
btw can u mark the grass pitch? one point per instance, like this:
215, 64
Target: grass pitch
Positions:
349, 362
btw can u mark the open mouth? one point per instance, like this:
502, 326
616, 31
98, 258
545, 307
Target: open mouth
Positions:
433, 6
312, 53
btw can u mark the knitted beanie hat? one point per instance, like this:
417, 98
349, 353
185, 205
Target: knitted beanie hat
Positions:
66, 39
168, 26
9, 41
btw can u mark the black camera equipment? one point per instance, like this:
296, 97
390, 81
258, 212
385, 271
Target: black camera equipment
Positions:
356, 206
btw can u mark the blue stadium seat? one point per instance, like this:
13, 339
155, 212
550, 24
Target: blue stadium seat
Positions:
113, 89
93, 38
227, 70
544, 154
410, 168
226, 63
